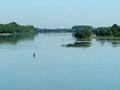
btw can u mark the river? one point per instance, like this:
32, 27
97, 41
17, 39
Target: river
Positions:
46, 62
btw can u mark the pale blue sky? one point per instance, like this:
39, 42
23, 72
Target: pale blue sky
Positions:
60, 13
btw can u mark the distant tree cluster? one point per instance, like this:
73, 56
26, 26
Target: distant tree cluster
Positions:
81, 27
13, 27
83, 34
113, 31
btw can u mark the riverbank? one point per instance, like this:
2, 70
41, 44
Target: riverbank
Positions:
8, 34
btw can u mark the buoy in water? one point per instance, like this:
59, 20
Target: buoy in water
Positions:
34, 55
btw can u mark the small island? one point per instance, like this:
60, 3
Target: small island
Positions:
83, 34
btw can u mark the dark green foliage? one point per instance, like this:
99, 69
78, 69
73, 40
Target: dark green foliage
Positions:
111, 31
79, 44
102, 31
15, 28
83, 34
115, 29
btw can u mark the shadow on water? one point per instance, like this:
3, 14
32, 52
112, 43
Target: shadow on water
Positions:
14, 39
78, 45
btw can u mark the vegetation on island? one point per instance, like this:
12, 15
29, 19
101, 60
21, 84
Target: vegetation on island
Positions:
113, 31
84, 34
14, 28
78, 45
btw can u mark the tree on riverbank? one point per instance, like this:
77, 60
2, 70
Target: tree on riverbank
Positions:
13, 27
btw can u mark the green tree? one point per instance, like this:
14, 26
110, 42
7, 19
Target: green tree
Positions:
113, 31
101, 31
13, 27
83, 34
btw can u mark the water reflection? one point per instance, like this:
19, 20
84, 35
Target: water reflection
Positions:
103, 41
78, 45
115, 42
15, 39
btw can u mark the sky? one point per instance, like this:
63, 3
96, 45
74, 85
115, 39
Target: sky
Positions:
60, 13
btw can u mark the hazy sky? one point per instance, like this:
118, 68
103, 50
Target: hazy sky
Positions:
60, 13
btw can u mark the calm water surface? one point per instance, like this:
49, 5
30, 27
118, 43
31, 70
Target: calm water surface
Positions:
43, 62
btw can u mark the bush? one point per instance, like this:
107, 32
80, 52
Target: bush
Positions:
113, 31
15, 28
83, 34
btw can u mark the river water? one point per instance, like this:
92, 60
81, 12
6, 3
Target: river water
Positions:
51, 61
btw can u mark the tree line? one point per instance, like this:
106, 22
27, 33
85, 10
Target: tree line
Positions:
86, 32
113, 31
13, 27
